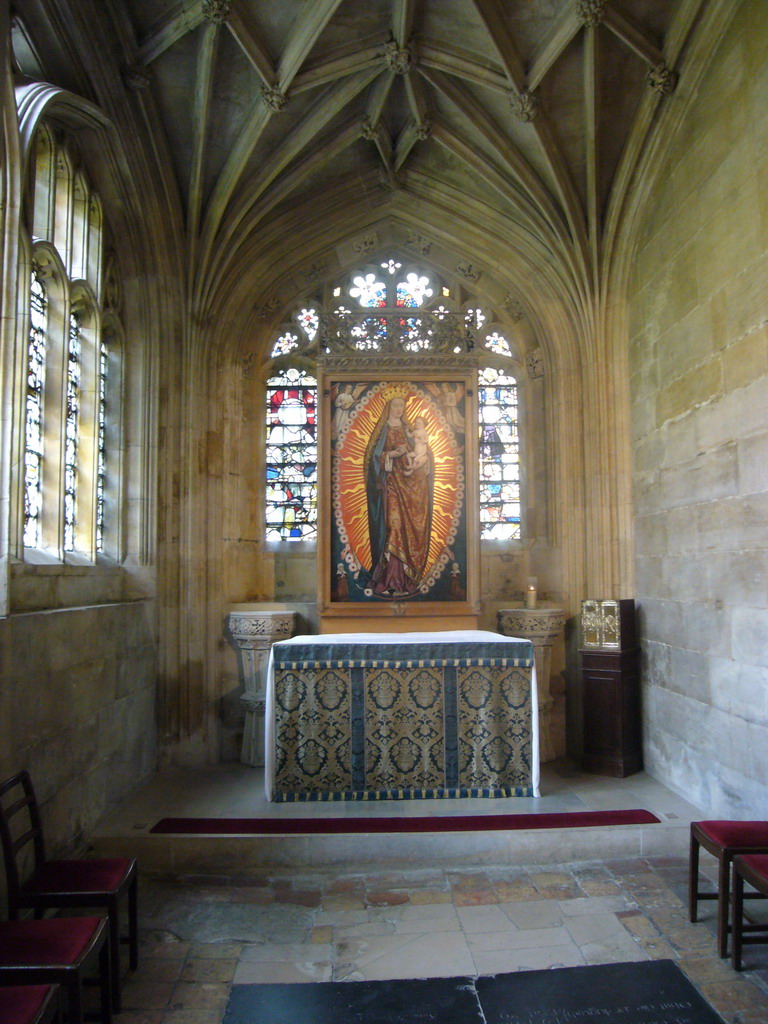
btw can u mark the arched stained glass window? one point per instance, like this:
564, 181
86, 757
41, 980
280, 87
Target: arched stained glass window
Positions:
387, 299
68, 461
33, 444
291, 462
499, 455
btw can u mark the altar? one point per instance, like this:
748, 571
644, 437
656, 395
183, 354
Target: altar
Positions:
372, 716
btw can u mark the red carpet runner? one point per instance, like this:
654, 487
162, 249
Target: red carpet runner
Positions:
434, 823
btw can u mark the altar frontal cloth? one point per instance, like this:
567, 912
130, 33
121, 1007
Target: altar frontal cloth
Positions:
418, 715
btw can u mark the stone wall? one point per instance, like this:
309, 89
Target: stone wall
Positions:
699, 381
77, 708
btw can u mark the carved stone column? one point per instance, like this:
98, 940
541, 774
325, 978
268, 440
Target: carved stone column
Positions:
252, 631
541, 626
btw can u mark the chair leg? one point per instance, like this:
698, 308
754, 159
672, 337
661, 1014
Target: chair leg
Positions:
133, 923
738, 920
105, 982
693, 880
723, 902
74, 1001
114, 952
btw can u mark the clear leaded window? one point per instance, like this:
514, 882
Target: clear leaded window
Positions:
33, 444
291, 500
499, 455
71, 432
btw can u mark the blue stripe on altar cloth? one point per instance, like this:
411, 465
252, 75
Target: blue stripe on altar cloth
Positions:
451, 726
357, 713
374, 795
394, 655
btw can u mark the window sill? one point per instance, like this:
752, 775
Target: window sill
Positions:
299, 547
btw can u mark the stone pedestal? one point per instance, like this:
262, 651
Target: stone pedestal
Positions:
541, 626
252, 629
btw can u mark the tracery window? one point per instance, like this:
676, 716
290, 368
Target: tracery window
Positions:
376, 300
68, 464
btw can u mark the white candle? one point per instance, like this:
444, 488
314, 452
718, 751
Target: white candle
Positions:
530, 593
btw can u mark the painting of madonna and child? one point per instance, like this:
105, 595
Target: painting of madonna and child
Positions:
399, 475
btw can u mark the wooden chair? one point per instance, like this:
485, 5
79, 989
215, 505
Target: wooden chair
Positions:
724, 840
753, 869
30, 1004
61, 884
59, 950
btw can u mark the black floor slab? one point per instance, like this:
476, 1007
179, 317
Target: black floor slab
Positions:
356, 1002
651, 992
648, 992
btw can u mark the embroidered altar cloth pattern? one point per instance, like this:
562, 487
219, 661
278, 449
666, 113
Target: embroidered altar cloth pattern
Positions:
384, 721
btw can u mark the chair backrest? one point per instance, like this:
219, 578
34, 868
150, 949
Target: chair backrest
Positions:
20, 826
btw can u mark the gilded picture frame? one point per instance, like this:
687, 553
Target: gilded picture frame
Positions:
398, 523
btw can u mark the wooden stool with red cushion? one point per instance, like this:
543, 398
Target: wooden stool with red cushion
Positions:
30, 1004
753, 869
64, 884
59, 950
724, 840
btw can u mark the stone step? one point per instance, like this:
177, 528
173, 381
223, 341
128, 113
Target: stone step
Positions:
177, 855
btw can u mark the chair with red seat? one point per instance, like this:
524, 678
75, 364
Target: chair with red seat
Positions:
59, 950
752, 869
30, 1004
724, 840
61, 884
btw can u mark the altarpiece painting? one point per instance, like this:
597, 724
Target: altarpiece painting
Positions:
398, 466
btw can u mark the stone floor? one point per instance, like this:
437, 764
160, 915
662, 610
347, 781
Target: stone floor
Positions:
199, 935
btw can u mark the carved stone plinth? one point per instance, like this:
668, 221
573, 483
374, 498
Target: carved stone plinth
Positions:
541, 626
252, 631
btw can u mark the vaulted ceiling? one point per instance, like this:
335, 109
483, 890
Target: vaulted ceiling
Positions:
524, 111
525, 105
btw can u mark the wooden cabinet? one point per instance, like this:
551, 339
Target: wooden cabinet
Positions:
611, 704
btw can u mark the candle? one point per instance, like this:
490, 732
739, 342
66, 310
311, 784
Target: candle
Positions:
530, 593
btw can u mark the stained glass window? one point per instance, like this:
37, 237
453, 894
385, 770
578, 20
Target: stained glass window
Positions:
71, 432
368, 291
66, 476
414, 334
369, 333
413, 291
291, 500
33, 447
498, 343
309, 322
285, 343
391, 266
499, 456
101, 441
475, 318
